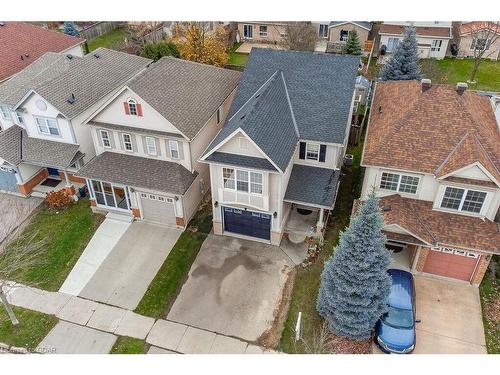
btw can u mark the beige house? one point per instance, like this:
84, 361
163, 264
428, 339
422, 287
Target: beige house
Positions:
338, 31
262, 32
477, 36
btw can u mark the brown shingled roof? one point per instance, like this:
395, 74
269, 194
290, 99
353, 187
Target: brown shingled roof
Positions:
20, 39
436, 131
442, 32
468, 27
438, 227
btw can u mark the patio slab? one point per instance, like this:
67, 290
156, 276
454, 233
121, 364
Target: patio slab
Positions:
134, 325
228, 345
157, 350
50, 303
196, 341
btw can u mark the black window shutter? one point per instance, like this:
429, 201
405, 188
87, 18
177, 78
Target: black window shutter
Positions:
322, 153
302, 152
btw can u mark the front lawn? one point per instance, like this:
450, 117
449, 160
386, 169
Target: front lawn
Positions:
108, 40
307, 281
32, 328
164, 288
490, 301
65, 233
129, 345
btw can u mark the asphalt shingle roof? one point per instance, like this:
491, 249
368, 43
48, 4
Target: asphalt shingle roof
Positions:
147, 173
184, 92
365, 24
241, 161
90, 79
312, 185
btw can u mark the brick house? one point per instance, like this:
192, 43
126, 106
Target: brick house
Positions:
432, 155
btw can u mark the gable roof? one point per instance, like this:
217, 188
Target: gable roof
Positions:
435, 131
184, 92
20, 39
438, 31
362, 24
89, 79
468, 27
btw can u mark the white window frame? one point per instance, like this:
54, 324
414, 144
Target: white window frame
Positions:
400, 178
247, 27
436, 45
474, 41
218, 115
5, 112
132, 107
347, 36
19, 118
149, 148
462, 200
104, 138
323, 27
256, 184
231, 177
234, 177
129, 142
174, 149
307, 157
263, 34
42, 124
394, 45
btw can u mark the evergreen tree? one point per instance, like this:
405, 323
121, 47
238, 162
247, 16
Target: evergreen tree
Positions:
355, 285
403, 65
352, 45
70, 29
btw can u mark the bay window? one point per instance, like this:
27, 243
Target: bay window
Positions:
174, 149
127, 142
106, 141
461, 199
242, 181
399, 182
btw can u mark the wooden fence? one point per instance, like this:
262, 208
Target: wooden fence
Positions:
97, 29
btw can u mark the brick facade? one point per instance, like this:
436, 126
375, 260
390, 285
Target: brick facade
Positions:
72, 178
179, 221
422, 257
27, 187
136, 212
482, 266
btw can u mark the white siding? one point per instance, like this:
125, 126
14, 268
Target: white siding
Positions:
331, 161
422, 40
241, 145
75, 51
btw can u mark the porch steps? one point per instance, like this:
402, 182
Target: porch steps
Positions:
120, 217
38, 194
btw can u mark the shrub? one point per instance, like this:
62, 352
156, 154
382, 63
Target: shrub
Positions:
156, 51
59, 199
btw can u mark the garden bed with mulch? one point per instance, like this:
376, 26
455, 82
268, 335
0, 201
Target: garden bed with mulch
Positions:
342, 345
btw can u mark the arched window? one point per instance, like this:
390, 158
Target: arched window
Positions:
132, 107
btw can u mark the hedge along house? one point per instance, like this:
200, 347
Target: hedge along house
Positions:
43, 143
275, 165
148, 139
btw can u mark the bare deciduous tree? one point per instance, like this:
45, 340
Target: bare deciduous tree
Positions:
19, 251
300, 36
320, 343
483, 34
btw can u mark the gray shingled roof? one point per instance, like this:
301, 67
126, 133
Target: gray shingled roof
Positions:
133, 129
312, 185
44, 69
320, 87
136, 171
365, 24
90, 79
241, 161
17, 147
184, 92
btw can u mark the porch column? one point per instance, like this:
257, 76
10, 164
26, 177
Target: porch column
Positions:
66, 178
69, 186
319, 224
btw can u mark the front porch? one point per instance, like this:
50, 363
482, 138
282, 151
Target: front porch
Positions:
55, 182
304, 222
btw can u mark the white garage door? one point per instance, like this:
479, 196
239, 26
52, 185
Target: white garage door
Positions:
158, 208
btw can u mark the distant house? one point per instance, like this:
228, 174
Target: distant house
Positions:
262, 32
478, 36
339, 30
23, 43
432, 37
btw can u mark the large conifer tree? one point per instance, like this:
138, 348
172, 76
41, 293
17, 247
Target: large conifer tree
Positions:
403, 65
352, 45
355, 285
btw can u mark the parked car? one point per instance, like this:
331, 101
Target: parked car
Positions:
395, 331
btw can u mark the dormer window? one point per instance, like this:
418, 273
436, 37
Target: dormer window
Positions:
463, 199
132, 108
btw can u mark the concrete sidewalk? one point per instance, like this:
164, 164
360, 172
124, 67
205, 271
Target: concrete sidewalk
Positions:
100, 246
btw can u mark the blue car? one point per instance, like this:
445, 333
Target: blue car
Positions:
395, 331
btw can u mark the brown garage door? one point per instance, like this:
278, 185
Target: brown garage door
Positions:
456, 264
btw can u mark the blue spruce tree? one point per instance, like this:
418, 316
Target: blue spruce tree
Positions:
355, 285
403, 65
70, 29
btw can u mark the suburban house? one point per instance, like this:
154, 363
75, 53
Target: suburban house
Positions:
479, 36
274, 32
149, 136
432, 155
432, 37
23, 43
275, 165
43, 143
338, 32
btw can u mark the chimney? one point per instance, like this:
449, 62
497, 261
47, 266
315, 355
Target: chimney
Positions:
461, 87
426, 84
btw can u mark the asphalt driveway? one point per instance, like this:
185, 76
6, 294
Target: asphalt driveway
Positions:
14, 210
235, 288
125, 274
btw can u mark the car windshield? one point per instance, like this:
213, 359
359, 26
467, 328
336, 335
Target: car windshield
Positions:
398, 318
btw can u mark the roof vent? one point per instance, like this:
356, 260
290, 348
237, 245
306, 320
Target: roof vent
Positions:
69, 56
379, 109
426, 84
71, 99
461, 87
242, 117
386, 208
97, 56
2, 23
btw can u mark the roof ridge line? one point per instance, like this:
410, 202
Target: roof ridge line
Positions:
290, 105
451, 153
486, 153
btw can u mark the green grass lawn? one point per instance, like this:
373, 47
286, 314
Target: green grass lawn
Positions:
65, 234
490, 301
32, 328
129, 345
236, 58
451, 71
107, 40
172, 274
307, 281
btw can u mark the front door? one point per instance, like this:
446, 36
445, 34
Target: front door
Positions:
248, 31
53, 172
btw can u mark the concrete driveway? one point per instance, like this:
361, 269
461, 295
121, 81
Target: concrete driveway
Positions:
14, 211
451, 320
235, 288
124, 276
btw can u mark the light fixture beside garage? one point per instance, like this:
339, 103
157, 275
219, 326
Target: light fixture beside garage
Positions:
176, 198
216, 204
275, 214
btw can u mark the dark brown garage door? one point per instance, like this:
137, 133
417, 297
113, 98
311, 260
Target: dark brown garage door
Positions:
456, 264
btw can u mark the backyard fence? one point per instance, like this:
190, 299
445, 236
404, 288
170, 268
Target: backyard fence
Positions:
97, 29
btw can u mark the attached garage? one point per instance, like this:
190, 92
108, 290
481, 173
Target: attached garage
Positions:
453, 263
8, 181
157, 208
247, 223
